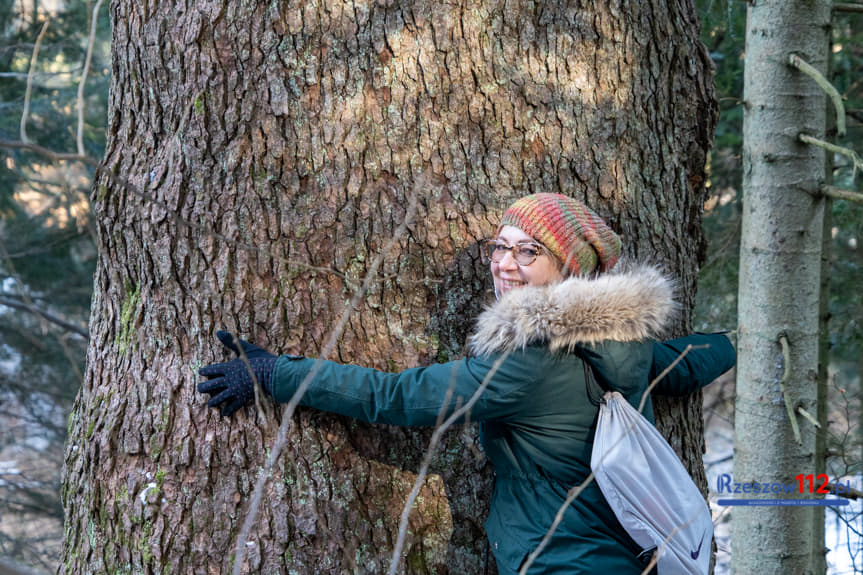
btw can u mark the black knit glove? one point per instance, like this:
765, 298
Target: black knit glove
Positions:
230, 384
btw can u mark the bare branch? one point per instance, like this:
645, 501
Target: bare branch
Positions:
789, 408
571, 496
50, 154
808, 416
575, 491
825, 85
42, 321
848, 492
69, 72
665, 372
655, 558
429, 454
90, 43
9, 567
30, 308
33, 58
288, 411
847, 152
840, 194
847, 7
50, 74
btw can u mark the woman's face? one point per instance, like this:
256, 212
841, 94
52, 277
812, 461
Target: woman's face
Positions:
508, 275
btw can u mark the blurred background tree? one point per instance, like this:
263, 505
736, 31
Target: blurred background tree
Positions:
723, 32
47, 257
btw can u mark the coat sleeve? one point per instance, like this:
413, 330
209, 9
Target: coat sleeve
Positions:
414, 397
620, 366
711, 356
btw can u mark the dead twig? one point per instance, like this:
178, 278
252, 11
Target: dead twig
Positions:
840, 194
290, 408
804, 66
50, 154
847, 152
429, 454
575, 491
4, 253
33, 58
29, 308
847, 7
789, 407
90, 43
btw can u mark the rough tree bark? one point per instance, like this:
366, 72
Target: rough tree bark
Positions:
299, 129
780, 265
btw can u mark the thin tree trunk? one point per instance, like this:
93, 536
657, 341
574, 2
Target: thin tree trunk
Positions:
780, 264
300, 129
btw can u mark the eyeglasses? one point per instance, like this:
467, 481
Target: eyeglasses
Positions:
524, 253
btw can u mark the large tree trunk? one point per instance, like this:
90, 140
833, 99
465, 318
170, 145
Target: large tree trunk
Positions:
780, 266
299, 130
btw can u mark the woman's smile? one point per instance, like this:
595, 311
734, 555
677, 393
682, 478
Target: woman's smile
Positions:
509, 275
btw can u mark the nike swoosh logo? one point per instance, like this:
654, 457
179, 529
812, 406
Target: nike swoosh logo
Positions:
697, 552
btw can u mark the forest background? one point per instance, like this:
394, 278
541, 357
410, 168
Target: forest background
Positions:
47, 259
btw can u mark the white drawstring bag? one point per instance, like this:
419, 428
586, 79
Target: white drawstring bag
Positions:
649, 489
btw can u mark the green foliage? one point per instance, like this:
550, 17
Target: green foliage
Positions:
723, 32
846, 302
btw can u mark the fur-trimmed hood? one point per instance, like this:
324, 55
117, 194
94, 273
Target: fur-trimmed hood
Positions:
625, 305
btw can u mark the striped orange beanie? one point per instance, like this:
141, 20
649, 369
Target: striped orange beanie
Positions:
569, 229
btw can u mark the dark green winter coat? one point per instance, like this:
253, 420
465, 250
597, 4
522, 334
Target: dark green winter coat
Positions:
538, 414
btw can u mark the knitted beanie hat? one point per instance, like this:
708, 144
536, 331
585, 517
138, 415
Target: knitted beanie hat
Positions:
570, 230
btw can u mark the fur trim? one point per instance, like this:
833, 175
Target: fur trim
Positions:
625, 305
